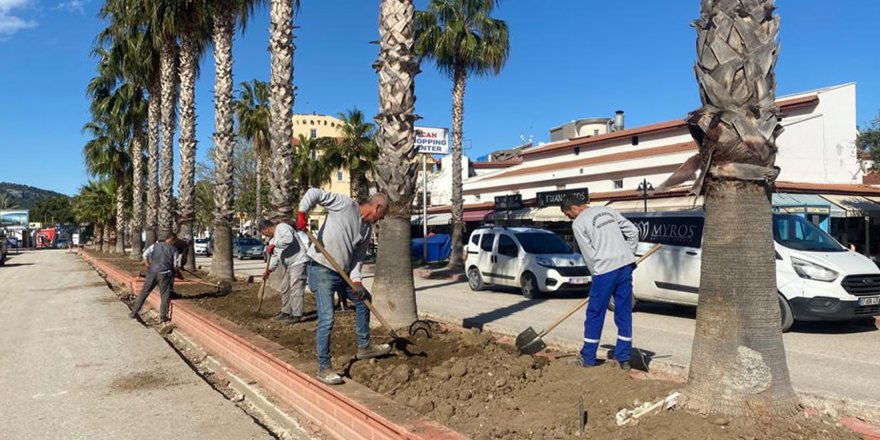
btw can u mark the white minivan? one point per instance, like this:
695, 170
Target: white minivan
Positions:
817, 278
535, 260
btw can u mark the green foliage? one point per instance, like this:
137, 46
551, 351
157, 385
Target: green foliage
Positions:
6, 202
95, 202
309, 163
53, 211
357, 151
204, 204
252, 110
869, 140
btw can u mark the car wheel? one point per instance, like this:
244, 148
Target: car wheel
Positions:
529, 286
475, 280
611, 305
785, 313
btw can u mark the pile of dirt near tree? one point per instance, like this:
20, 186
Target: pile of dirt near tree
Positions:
123, 262
486, 390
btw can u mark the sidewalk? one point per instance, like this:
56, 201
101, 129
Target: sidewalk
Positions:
74, 366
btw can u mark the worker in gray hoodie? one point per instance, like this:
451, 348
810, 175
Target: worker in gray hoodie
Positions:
608, 243
288, 248
163, 262
346, 235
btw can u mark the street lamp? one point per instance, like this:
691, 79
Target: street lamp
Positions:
645, 187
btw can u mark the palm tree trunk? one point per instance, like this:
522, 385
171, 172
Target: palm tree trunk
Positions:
187, 185
459, 77
221, 263
137, 194
396, 168
109, 239
99, 237
282, 186
738, 366
168, 72
120, 212
153, 117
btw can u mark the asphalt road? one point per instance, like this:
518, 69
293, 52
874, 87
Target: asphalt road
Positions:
74, 366
840, 360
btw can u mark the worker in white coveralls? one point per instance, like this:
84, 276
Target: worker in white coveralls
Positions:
287, 248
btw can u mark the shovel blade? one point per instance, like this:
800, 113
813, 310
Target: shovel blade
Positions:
534, 347
525, 337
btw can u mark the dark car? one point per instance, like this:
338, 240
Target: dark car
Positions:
247, 247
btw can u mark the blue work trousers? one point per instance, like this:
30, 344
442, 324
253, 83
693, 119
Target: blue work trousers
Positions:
323, 282
619, 284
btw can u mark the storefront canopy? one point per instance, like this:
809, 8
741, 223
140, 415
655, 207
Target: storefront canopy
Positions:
682, 203
805, 203
440, 219
854, 206
516, 214
549, 214
476, 216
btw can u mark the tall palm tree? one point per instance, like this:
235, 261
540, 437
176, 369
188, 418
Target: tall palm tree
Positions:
95, 204
195, 35
282, 188
738, 366
225, 13
6, 202
311, 168
355, 152
396, 167
462, 39
252, 109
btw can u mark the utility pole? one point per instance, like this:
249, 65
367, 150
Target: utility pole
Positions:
645, 187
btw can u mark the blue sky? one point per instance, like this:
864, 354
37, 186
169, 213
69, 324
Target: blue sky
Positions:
569, 59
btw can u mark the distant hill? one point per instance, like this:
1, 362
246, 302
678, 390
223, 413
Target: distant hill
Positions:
25, 197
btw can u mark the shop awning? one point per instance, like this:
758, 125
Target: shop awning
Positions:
476, 216
549, 214
854, 206
516, 214
805, 203
440, 219
682, 203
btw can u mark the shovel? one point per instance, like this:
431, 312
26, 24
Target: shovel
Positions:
529, 341
263, 287
223, 287
418, 325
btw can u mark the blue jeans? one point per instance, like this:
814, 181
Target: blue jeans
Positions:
618, 283
323, 282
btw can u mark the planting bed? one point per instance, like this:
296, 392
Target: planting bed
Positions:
486, 390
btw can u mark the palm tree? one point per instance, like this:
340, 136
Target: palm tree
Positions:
462, 39
396, 167
282, 188
195, 35
252, 109
311, 168
225, 13
356, 152
738, 366
6, 202
94, 204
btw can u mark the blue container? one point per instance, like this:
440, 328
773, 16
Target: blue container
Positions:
439, 247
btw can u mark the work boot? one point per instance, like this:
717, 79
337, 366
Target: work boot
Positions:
579, 362
625, 365
281, 316
133, 315
372, 350
294, 319
329, 377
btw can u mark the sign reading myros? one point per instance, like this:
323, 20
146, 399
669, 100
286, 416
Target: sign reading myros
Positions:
432, 140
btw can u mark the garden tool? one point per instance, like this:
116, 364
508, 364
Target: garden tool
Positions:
223, 287
529, 341
415, 327
263, 286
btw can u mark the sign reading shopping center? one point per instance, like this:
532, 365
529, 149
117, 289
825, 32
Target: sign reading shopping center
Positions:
431, 140
557, 198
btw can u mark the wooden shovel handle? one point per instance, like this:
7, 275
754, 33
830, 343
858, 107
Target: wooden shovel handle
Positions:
582, 303
263, 286
342, 273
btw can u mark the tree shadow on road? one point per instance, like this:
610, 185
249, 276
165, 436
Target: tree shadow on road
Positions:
17, 264
487, 317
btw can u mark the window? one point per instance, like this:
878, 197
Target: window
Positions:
313, 133
577, 151
635, 140
795, 232
596, 132
542, 243
475, 239
486, 242
507, 247
339, 176
618, 184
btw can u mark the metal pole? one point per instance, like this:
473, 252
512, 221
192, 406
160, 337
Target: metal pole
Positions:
645, 193
425, 208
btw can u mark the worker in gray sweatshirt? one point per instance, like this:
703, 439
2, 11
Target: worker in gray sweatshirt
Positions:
608, 243
346, 235
163, 262
287, 248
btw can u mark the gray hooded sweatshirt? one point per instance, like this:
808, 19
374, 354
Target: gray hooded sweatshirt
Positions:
607, 240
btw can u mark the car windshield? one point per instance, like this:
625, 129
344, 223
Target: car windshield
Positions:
795, 232
542, 243
248, 242
201, 241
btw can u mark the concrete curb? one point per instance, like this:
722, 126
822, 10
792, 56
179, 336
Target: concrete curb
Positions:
336, 414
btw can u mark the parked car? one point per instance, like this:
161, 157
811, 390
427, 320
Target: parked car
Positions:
817, 278
247, 247
4, 248
535, 260
202, 246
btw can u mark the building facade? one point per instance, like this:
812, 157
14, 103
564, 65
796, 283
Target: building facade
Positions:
314, 126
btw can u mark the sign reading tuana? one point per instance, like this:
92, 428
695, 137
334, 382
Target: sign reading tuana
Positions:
556, 198
431, 140
509, 202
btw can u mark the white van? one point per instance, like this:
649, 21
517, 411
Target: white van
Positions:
817, 278
535, 260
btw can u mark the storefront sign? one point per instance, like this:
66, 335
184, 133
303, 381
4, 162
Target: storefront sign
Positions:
670, 231
431, 140
508, 202
17, 219
557, 198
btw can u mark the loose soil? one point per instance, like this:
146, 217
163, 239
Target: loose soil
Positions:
486, 390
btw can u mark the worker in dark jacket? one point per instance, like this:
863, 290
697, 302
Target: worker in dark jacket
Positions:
163, 262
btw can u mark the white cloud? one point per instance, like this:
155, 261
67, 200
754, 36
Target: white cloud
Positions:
70, 6
9, 23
